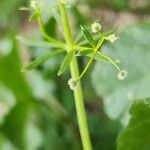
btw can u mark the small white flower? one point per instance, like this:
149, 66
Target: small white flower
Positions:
122, 75
33, 4
112, 38
72, 84
95, 27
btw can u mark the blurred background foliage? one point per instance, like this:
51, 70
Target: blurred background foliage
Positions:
37, 109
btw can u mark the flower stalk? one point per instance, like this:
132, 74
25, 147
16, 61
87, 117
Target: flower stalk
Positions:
81, 115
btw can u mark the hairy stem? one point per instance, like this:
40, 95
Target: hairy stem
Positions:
83, 127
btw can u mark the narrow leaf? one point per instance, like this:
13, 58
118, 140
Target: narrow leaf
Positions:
42, 59
84, 52
32, 42
88, 37
66, 62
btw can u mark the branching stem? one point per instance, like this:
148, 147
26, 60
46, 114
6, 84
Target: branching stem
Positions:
83, 127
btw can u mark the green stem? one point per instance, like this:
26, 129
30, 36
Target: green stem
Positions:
83, 127
92, 58
66, 26
79, 48
111, 61
43, 32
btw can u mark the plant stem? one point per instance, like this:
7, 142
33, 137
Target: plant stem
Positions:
83, 127
43, 32
92, 58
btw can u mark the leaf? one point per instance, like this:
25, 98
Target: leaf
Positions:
136, 135
16, 83
84, 52
66, 62
133, 52
32, 42
42, 59
34, 17
88, 37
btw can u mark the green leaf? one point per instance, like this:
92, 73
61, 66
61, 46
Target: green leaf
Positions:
66, 62
34, 17
17, 84
136, 135
42, 59
84, 52
88, 37
32, 42
133, 50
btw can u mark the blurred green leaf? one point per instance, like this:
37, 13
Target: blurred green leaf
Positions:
6, 44
9, 15
7, 102
42, 59
132, 49
88, 36
32, 42
14, 80
34, 138
66, 62
136, 135
40, 87
5, 144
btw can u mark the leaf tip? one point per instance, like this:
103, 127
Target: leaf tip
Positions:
59, 73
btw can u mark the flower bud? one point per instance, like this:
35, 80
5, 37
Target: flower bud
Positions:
122, 75
95, 27
112, 38
72, 84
